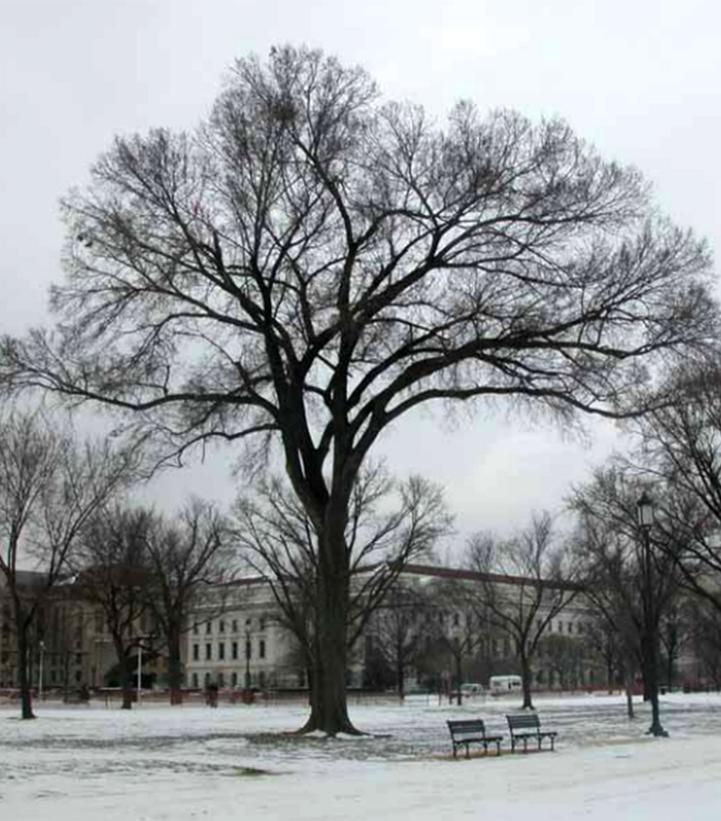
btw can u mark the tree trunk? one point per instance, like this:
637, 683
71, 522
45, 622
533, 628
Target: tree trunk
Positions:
21, 643
400, 673
328, 698
127, 687
175, 670
459, 677
526, 682
124, 672
628, 687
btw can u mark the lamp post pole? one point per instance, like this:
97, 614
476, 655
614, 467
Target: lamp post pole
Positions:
40, 671
650, 615
247, 659
139, 674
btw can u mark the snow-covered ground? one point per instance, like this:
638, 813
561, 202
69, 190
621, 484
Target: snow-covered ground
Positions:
97, 764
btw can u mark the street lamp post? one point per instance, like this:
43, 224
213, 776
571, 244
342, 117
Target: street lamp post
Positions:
139, 673
40, 671
247, 660
645, 513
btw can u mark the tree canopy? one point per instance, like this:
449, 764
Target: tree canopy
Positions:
313, 262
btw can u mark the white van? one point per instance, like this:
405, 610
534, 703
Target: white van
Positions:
499, 685
471, 689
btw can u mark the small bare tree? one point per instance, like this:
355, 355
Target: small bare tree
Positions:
115, 575
682, 456
399, 628
456, 629
184, 558
705, 635
564, 656
525, 582
50, 486
281, 543
601, 636
616, 566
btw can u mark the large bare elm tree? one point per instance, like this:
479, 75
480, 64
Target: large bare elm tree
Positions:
313, 263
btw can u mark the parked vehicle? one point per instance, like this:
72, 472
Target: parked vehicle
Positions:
500, 685
471, 689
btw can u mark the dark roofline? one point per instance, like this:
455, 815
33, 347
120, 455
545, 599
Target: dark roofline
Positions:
476, 576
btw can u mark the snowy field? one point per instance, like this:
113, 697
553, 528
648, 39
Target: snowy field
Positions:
97, 764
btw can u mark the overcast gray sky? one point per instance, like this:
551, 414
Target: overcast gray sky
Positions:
640, 79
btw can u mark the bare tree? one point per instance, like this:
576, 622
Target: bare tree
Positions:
312, 264
525, 583
115, 575
399, 629
564, 656
601, 636
617, 567
49, 488
455, 630
705, 634
282, 544
184, 559
682, 454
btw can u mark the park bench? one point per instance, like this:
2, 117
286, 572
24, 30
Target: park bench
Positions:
523, 726
472, 731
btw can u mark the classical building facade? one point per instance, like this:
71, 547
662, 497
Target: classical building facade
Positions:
235, 639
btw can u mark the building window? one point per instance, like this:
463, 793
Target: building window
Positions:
233, 679
208, 627
560, 627
261, 648
78, 658
195, 628
221, 650
208, 652
235, 625
221, 680
569, 628
221, 626
206, 679
195, 681
234, 650
248, 649
196, 652
261, 622
456, 619
78, 675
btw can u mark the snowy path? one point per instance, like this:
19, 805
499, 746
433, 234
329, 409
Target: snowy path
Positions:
78, 764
